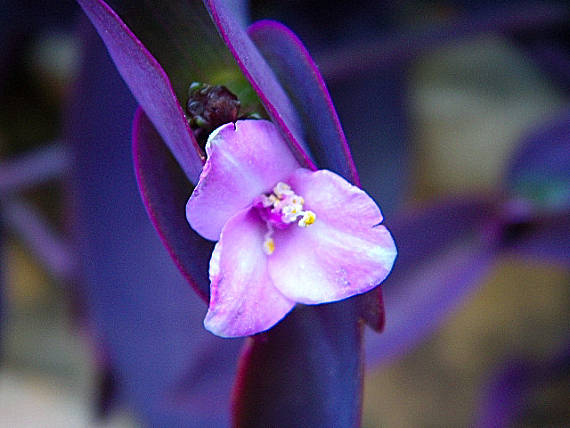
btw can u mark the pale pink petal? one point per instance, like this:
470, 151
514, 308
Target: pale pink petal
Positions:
245, 159
243, 300
344, 253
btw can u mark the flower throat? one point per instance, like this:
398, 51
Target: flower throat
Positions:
280, 209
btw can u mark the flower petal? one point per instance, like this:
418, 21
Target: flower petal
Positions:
345, 252
243, 300
244, 161
300, 77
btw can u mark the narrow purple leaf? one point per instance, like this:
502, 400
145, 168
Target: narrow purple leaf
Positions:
149, 84
385, 137
507, 398
442, 258
358, 59
142, 312
302, 81
306, 371
545, 238
50, 249
33, 168
540, 170
165, 191
374, 114
537, 220
230, 18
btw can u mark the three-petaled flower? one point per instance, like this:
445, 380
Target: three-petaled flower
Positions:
285, 234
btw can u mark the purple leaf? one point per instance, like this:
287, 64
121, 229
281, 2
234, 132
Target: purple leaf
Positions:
50, 249
371, 52
303, 82
165, 191
385, 136
306, 371
537, 220
230, 18
374, 115
543, 238
442, 257
540, 170
506, 396
148, 83
32, 169
142, 312
507, 399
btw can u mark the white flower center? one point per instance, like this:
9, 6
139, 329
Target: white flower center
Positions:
280, 209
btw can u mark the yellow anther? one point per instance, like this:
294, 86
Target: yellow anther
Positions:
281, 208
308, 218
268, 246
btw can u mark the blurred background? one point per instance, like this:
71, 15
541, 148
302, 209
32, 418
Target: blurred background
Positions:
435, 98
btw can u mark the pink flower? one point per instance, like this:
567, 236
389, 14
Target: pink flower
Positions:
285, 234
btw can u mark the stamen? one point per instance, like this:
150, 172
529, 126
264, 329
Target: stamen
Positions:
268, 242
290, 213
297, 200
268, 246
282, 189
308, 218
279, 209
268, 201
